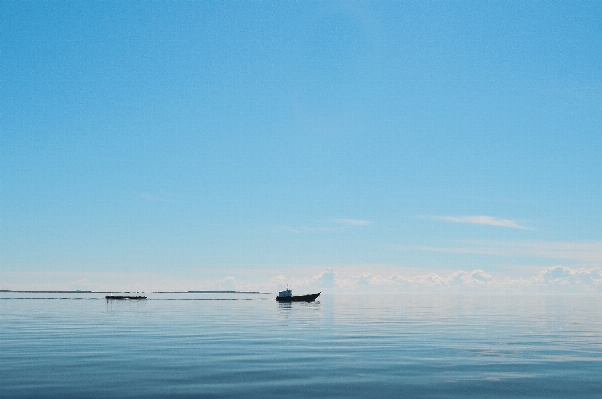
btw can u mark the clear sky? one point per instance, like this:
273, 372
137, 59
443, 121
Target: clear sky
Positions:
190, 145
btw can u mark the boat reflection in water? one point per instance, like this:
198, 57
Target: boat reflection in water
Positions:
287, 296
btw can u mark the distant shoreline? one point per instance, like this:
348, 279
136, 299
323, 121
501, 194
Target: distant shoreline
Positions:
130, 292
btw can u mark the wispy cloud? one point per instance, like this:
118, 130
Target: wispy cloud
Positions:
585, 253
482, 219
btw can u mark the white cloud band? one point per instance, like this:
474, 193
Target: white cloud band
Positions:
551, 279
482, 219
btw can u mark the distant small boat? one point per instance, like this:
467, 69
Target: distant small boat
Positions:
125, 297
287, 296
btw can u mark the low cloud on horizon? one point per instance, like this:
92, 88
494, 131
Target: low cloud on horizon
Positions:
554, 279
551, 279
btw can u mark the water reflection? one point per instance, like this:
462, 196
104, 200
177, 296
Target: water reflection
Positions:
291, 305
340, 346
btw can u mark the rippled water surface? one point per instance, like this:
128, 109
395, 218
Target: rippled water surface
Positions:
248, 345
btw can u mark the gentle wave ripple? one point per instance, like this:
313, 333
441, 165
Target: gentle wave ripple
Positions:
415, 346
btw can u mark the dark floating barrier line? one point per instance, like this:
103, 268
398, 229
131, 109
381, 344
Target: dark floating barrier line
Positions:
120, 297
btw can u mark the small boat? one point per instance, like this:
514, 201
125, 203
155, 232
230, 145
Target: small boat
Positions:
287, 296
125, 297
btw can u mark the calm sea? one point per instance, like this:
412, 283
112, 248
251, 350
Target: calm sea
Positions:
250, 346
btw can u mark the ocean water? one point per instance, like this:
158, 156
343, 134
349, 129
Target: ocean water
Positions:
210, 345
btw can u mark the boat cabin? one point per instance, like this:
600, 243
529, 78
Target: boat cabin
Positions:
285, 293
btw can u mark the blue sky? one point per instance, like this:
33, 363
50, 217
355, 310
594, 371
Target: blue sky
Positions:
188, 144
